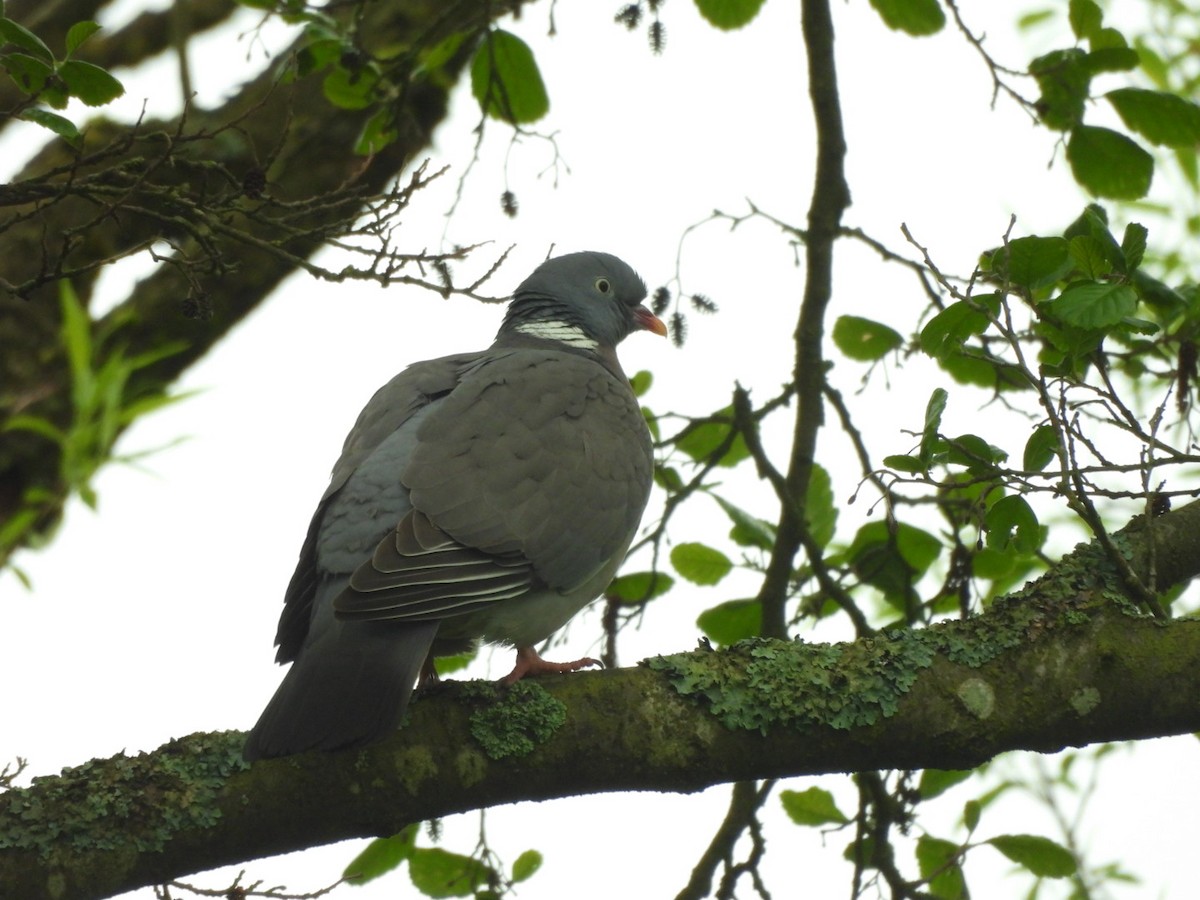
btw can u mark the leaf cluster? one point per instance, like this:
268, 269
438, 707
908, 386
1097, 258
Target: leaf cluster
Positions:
54, 81
436, 872
1107, 162
504, 76
939, 861
102, 406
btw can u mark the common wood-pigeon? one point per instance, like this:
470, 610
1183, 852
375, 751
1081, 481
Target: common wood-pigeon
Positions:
482, 496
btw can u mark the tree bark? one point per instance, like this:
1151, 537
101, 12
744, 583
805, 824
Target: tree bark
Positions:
1067, 661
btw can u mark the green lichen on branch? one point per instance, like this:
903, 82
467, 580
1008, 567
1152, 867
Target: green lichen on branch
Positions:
1088, 577
760, 684
977, 641
134, 803
1084, 700
516, 720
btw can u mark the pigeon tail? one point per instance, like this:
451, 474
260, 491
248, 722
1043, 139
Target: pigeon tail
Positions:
349, 687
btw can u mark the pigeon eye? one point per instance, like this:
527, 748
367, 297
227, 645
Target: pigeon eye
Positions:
603, 285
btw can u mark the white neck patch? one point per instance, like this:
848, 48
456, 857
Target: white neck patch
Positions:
557, 330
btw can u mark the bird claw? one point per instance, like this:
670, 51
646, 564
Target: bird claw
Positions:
529, 663
429, 676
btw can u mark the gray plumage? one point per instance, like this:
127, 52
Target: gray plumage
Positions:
482, 496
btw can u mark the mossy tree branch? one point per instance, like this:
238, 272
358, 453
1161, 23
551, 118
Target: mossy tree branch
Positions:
1065, 662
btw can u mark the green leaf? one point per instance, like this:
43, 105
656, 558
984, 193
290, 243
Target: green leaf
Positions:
935, 782
1066, 351
1109, 164
28, 72
949, 329
1090, 256
1133, 245
20, 36
731, 621
729, 14
1093, 220
971, 812
813, 806
666, 477
1162, 118
318, 54
892, 561
640, 382
706, 436
351, 89
1098, 230
938, 862
1163, 298
820, 511
859, 850
699, 563
1095, 304
748, 530
78, 33
1034, 18
446, 665
638, 587
901, 463
77, 339
525, 865
22, 575
377, 133
1033, 262
506, 81
439, 873
1010, 521
1152, 63
1107, 39
652, 424
61, 126
969, 368
1110, 59
18, 525
933, 420
1040, 855
1004, 567
918, 547
91, 84
434, 59
974, 452
1041, 448
381, 856
1085, 17
55, 93
916, 17
1063, 80
35, 425
864, 339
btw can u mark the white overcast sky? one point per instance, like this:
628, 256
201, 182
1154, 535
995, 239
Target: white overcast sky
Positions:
154, 617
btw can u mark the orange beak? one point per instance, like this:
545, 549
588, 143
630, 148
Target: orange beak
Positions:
648, 321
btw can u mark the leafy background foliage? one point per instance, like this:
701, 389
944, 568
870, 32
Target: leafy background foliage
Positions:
1069, 335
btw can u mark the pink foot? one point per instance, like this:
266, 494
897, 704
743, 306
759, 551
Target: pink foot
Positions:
529, 663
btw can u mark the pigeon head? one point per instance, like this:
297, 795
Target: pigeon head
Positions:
585, 300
